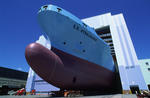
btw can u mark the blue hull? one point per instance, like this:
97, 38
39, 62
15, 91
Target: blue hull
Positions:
69, 34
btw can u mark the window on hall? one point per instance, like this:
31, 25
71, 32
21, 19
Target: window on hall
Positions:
148, 69
147, 63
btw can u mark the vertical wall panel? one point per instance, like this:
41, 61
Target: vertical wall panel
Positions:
131, 69
29, 83
124, 49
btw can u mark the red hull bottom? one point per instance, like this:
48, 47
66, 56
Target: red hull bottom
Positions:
67, 71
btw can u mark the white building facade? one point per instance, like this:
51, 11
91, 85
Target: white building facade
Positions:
145, 67
128, 65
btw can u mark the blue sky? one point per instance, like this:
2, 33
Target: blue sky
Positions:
19, 26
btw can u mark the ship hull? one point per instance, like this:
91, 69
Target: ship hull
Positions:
79, 58
70, 35
67, 71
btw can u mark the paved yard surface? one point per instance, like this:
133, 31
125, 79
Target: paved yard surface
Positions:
100, 96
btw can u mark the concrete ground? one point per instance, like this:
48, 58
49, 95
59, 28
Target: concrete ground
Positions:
99, 96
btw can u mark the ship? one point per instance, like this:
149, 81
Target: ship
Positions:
78, 59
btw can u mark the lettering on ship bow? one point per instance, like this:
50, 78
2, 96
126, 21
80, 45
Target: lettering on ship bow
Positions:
76, 27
